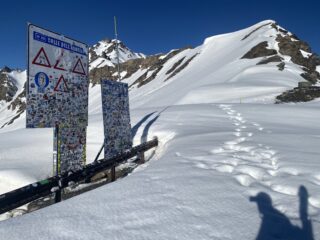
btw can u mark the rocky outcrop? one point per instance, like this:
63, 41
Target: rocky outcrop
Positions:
183, 66
152, 65
299, 52
260, 50
299, 95
275, 58
7, 86
293, 47
107, 50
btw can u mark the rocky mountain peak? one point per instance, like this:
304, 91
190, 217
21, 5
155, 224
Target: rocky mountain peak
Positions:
8, 86
104, 53
287, 47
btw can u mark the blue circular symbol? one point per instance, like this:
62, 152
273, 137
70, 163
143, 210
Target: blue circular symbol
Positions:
42, 81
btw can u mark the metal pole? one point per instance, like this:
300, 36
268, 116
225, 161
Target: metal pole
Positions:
98, 155
117, 46
58, 192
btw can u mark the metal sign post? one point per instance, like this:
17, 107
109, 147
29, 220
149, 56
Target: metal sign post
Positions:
117, 47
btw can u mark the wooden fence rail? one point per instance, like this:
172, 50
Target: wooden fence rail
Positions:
31, 192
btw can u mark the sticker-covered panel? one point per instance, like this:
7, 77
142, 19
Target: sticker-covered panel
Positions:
116, 117
70, 147
57, 91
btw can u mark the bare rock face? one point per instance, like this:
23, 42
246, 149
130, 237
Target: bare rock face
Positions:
151, 64
18, 105
299, 95
259, 50
293, 48
299, 52
8, 95
179, 67
275, 58
7, 86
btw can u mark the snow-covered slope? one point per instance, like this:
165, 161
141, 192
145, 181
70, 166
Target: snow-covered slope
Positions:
211, 160
219, 147
217, 73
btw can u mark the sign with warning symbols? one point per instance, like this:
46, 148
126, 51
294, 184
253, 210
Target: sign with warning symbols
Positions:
57, 89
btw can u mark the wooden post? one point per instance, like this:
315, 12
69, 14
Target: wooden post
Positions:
57, 196
113, 173
141, 158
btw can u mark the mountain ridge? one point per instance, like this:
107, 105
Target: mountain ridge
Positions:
264, 50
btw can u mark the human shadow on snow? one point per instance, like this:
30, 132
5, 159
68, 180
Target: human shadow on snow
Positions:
275, 225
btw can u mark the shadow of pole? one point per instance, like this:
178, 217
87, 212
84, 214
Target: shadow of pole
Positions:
145, 133
134, 130
275, 225
307, 231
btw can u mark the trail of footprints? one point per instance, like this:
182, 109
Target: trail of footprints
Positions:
247, 162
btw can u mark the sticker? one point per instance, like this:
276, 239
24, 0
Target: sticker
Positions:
41, 59
42, 81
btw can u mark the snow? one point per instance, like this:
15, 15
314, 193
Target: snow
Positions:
202, 179
123, 74
19, 78
165, 55
222, 78
100, 62
222, 142
125, 54
305, 54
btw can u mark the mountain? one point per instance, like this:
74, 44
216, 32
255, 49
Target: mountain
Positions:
256, 64
12, 95
104, 54
230, 163
263, 63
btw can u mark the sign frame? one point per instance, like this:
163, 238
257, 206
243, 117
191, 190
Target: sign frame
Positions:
75, 50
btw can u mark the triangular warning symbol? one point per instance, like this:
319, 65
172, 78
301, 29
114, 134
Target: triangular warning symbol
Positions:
61, 85
78, 68
41, 59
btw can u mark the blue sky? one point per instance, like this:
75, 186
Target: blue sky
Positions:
149, 26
